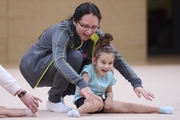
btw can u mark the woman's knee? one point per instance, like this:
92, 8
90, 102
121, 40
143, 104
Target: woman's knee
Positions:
75, 56
75, 59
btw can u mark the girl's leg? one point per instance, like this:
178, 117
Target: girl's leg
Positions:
84, 109
124, 107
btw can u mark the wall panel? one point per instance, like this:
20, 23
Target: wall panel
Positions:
27, 19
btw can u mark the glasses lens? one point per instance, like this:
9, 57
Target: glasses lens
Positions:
86, 27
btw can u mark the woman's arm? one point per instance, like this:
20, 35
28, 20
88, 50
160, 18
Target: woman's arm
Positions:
86, 92
86, 78
124, 68
60, 42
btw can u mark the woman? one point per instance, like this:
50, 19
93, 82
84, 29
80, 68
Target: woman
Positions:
58, 56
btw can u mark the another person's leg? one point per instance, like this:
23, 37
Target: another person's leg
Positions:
60, 86
15, 112
124, 107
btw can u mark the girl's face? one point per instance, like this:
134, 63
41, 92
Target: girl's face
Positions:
103, 64
87, 26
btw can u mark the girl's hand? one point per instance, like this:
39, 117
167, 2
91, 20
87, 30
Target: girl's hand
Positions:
108, 103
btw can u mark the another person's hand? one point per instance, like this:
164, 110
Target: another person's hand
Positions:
31, 102
88, 94
141, 91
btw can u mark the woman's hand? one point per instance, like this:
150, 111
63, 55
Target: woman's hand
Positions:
141, 91
88, 94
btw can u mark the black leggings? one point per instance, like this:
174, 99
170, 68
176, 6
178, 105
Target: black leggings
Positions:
80, 102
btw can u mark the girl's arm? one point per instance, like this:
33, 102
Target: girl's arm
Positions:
109, 93
108, 103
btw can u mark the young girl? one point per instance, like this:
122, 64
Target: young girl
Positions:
100, 79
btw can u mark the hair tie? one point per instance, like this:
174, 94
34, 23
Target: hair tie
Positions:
107, 47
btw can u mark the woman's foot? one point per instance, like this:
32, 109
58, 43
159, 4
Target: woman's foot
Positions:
61, 98
57, 107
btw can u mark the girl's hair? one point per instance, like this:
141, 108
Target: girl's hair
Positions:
86, 8
104, 45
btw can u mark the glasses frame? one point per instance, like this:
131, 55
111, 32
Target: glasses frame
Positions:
87, 27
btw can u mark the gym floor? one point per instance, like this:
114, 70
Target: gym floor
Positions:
159, 75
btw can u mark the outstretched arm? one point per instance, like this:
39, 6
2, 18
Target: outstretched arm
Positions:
86, 92
29, 100
9, 83
124, 68
141, 91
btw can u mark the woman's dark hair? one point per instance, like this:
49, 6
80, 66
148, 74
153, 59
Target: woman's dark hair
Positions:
104, 45
81, 10
86, 8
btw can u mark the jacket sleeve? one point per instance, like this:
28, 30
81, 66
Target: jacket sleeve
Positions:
60, 41
8, 82
123, 67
